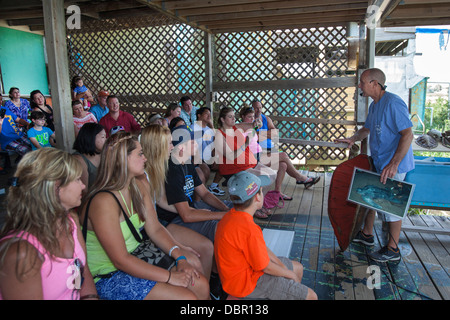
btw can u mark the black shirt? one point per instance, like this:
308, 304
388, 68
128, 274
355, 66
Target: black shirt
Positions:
180, 184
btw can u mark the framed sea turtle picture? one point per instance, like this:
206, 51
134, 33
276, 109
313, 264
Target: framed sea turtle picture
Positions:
394, 197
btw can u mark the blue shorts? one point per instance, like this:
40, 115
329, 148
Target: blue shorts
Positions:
122, 286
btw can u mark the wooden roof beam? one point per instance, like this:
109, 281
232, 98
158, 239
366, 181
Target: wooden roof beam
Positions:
274, 5
280, 12
280, 25
383, 7
414, 22
423, 12
288, 19
183, 4
157, 5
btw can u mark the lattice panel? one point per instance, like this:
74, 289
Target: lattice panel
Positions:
147, 62
281, 54
315, 53
318, 103
150, 61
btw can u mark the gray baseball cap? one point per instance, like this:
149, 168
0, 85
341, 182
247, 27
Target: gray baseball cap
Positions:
245, 185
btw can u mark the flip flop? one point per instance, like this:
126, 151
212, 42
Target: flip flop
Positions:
266, 211
286, 198
260, 215
311, 183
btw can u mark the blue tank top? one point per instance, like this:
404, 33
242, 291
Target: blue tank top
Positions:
266, 143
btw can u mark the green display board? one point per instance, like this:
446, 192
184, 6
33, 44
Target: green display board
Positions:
22, 61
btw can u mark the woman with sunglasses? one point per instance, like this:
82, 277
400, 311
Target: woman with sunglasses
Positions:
42, 252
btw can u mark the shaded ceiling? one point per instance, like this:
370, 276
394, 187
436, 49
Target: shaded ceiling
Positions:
218, 16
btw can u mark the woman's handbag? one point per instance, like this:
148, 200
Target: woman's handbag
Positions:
146, 250
272, 199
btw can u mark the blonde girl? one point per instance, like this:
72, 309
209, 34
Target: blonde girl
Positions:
110, 241
42, 252
156, 143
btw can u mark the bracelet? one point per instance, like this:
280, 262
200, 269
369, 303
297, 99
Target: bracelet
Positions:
89, 296
171, 249
180, 258
170, 274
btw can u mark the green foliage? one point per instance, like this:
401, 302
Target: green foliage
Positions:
441, 115
416, 211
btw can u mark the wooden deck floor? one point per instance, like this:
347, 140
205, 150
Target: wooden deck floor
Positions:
422, 273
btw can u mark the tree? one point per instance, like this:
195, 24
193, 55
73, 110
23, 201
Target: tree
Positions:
441, 113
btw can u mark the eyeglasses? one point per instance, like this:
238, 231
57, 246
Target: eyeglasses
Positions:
382, 87
77, 278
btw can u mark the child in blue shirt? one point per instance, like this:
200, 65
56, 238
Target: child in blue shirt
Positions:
40, 136
81, 92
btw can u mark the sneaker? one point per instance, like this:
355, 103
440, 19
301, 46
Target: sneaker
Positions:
216, 291
385, 254
216, 191
361, 237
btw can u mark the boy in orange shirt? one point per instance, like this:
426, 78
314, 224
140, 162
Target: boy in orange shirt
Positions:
247, 268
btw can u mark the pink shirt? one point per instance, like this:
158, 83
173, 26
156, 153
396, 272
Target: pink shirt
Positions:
79, 122
60, 276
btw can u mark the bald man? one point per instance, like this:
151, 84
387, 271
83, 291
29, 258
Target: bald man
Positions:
390, 130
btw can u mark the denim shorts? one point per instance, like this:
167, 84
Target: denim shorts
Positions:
122, 286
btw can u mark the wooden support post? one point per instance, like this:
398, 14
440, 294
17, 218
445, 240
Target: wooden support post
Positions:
58, 66
208, 71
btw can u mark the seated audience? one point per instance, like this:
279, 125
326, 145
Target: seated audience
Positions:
42, 252
100, 109
176, 122
265, 133
188, 111
173, 111
114, 211
88, 146
182, 182
204, 136
11, 137
247, 268
39, 103
116, 117
39, 135
81, 93
156, 142
281, 162
81, 116
20, 107
156, 118
232, 144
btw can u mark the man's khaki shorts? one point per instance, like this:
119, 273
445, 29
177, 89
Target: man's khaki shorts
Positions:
279, 288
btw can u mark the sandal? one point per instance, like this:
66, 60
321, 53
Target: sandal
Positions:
313, 181
266, 211
286, 198
260, 215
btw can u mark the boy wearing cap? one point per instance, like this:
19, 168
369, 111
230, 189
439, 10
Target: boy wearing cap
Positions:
100, 109
247, 268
